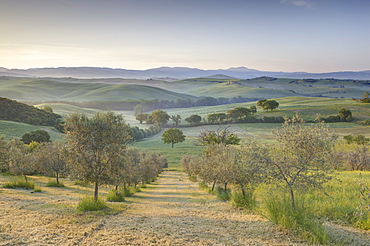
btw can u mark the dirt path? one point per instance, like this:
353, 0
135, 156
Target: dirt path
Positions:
171, 212
176, 212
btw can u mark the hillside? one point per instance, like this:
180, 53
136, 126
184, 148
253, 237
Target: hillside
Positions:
12, 110
11, 130
36, 89
105, 89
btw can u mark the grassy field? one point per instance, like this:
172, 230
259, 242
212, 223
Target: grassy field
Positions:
345, 198
13, 130
307, 106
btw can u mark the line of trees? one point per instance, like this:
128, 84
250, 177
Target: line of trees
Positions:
153, 104
95, 151
300, 160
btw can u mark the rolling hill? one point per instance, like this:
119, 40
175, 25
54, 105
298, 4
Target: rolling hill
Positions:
38, 89
15, 111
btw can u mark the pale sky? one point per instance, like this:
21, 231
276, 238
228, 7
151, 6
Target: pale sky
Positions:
269, 35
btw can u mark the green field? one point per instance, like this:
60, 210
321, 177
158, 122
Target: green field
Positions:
263, 132
13, 130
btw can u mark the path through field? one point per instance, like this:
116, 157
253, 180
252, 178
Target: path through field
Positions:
176, 212
173, 211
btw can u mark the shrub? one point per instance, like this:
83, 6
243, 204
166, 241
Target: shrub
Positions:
116, 196
298, 219
19, 184
90, 204
130, 190
54, 184
246, 201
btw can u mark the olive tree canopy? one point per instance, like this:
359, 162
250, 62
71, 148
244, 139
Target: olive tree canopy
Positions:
93, 144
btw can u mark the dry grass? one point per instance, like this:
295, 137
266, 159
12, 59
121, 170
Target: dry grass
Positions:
173, 211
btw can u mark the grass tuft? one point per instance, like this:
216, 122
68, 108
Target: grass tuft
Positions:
37, 189
54, 184
88, 203
116, 196
224, 195
298, 219
19, 184
246, 201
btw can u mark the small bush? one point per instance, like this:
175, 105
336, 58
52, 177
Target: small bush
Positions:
89, 204
54, 184
142, 186
246, 201
116, 196
19, 184
298, 219
130, 190
37, 189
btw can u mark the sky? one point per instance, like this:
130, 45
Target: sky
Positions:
268, 35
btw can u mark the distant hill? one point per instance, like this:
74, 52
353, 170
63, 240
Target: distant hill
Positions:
11, 110
38, 90
47, 89
173, 72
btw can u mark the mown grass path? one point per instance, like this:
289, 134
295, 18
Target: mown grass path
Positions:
175, 212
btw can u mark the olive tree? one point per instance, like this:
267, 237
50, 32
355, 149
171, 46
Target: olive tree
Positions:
51, 159
301, 160
4, 146
93, 145
20, 159
221, 136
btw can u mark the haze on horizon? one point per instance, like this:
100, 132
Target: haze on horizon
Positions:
269, 35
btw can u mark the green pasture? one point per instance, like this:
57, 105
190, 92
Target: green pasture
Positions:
64, 109
13, 130
234, 90
323, 87
309, 107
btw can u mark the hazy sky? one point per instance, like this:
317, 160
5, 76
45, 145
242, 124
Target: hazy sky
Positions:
274, 35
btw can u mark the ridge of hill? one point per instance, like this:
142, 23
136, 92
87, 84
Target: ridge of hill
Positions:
11, 110
172, 72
